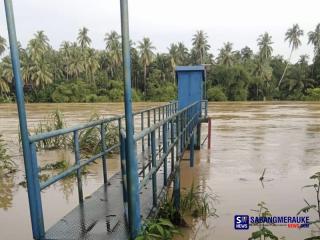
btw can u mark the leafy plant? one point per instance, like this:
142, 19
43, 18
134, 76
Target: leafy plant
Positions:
314, 207
53, 122
263, 232
157, 229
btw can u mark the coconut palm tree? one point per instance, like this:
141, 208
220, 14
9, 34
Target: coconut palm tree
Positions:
264, 44
65, 52
299, 79
7, 73
83, 39
93, 64
41, 75
3, 45
76, 61
293, 36
182, 53
226, 55
174, 58
314, 39
113, 46
146, 55
200, 46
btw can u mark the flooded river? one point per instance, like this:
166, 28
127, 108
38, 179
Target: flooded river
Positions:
283, 138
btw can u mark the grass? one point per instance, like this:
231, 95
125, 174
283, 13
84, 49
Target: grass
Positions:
54, 121
199, 204
90, 138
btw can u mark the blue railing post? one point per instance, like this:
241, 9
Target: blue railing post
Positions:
176, 184
103, 148
172, 139
77, 159
36, 185
30, 164
131, 157
149, 141
165, 149
192, 150
123, 168
154, 165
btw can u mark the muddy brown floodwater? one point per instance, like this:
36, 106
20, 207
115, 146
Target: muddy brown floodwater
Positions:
281, 137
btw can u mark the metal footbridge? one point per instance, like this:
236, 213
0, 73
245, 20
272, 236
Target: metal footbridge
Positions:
150, 155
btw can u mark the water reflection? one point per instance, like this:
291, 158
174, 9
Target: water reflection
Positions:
7, 189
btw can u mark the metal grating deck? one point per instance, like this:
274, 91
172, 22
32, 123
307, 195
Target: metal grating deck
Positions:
102, 215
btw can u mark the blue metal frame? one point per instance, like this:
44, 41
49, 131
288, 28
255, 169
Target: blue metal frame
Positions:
179, 125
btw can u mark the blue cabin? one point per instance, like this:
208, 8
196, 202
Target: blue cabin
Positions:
190, 84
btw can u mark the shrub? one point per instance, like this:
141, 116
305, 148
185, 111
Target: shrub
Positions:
216, 94
313, 94
76, 91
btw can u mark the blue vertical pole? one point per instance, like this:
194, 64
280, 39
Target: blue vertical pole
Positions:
103, 149
192, 150
30, 163
131, 157
154, 165
165, 149
176, 184
172, 140
77, 158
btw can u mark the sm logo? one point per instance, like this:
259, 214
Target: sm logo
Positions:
241, 222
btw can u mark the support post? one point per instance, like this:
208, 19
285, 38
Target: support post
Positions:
192, 150
131, 157
176, 184
154, 165
103, 147
77, 158
29, 154
165, 149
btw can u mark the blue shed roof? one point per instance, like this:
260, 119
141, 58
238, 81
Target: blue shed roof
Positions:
190, 68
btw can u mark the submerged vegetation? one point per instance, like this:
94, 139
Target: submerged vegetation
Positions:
53, 122
89, 138
194, 202
76, 72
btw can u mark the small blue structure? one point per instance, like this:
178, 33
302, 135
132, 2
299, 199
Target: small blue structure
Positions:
191, 88
190, 84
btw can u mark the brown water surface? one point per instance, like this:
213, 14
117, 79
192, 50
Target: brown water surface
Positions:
281, 137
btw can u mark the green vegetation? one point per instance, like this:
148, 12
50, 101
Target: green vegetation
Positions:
194, 202
89, 138
263, 232
53, 122
7, 165
315, 207
157, 229
76, 72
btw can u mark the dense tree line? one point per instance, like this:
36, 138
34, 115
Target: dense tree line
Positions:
76, 72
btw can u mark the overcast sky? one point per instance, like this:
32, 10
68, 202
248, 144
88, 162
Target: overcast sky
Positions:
167, 21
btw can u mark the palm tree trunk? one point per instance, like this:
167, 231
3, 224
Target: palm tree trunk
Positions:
144, 79
285, 69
